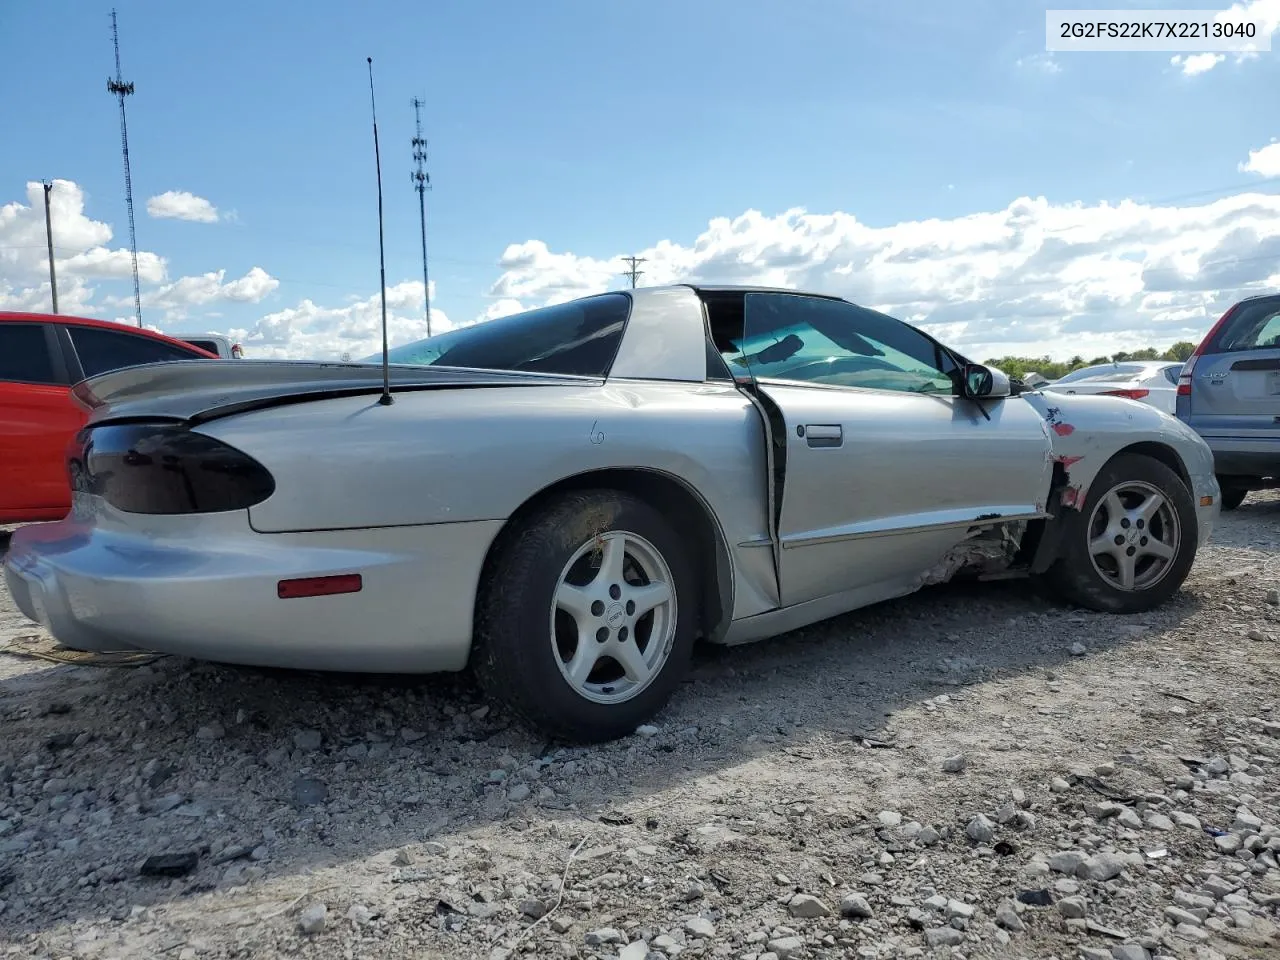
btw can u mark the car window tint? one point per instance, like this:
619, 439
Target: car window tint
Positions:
816, 340
1253, 326
571, 339
1171, 374
101, 351
204, 345
24, 354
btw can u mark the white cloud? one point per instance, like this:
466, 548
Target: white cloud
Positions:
80, 243
1264, 161
1035, 278
181, 205
1265, 13
1197, 63
1040, 62
325, 333
177, 298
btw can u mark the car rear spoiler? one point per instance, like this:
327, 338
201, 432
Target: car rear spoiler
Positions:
200, 390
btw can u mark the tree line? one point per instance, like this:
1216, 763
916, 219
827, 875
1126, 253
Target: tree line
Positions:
1053, 369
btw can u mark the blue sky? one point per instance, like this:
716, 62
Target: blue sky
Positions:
595, 128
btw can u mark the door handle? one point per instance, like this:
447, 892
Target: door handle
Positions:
824, 434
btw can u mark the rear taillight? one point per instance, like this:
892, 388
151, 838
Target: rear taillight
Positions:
1184, 376
1131, 394
165, 469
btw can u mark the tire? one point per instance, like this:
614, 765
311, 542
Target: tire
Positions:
1076, 577
1232, 496
527, 641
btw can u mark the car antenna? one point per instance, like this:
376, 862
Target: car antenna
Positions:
385, 399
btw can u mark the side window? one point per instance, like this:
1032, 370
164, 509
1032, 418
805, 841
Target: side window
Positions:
815, 340
101, 351
24, 354
1254, 327
1171, 374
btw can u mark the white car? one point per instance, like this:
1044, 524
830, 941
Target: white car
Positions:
1153, 382
224, 347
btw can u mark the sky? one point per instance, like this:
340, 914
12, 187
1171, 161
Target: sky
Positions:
926, 158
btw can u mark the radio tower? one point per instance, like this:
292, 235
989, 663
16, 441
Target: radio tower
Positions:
121, 90
422, 183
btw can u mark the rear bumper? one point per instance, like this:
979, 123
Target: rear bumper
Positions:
207, 588
1250, 457
1255, 453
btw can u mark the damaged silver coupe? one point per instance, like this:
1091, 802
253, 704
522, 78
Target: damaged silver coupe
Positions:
564, 500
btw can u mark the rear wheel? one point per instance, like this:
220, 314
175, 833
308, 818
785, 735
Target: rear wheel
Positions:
1232, 494
586, 618
1132, 544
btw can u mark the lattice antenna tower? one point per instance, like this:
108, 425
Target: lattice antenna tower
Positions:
421, 183
120, 90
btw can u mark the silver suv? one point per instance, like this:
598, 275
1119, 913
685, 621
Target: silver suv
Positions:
1229, 393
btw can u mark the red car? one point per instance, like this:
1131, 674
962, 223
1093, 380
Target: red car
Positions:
41, 357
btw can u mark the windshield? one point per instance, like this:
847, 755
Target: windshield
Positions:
579, 338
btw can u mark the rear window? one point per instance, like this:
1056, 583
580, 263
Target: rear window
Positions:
1254, 326
1119, 371
209, 345
24, 354
101, 351
579, 338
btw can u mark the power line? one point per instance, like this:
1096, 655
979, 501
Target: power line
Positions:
422, 183
121, 90
48, 233
633, 273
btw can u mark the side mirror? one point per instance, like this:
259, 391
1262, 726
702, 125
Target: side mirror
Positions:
985, 383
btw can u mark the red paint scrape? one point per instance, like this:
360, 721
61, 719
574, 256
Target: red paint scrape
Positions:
1063, 429
1068, 462
1071, 497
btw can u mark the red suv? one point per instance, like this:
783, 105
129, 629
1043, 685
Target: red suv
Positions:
41, 357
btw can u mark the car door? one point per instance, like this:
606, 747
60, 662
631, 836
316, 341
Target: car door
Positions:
1235, 381
38, 417
884, 468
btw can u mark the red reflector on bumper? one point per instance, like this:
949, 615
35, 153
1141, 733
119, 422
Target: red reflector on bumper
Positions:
319, 586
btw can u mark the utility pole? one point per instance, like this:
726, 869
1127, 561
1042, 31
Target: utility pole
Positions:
48, 232
633, 273
422, 183
120, 90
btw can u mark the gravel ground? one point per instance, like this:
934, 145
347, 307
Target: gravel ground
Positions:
972, 772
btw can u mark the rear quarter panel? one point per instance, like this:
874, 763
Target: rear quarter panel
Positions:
443, 456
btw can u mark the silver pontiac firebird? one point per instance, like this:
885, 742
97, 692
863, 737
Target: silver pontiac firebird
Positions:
566, 499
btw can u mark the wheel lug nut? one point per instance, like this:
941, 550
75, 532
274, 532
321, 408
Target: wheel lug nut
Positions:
1131, 551
1141, 524
622, 634
1144, 541
631, 607
602, 635
597, 608
615, 591
1124, 522
1119, 539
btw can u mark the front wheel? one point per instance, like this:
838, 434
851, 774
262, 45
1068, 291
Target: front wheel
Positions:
586, 619
1232, 495
1132, 544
